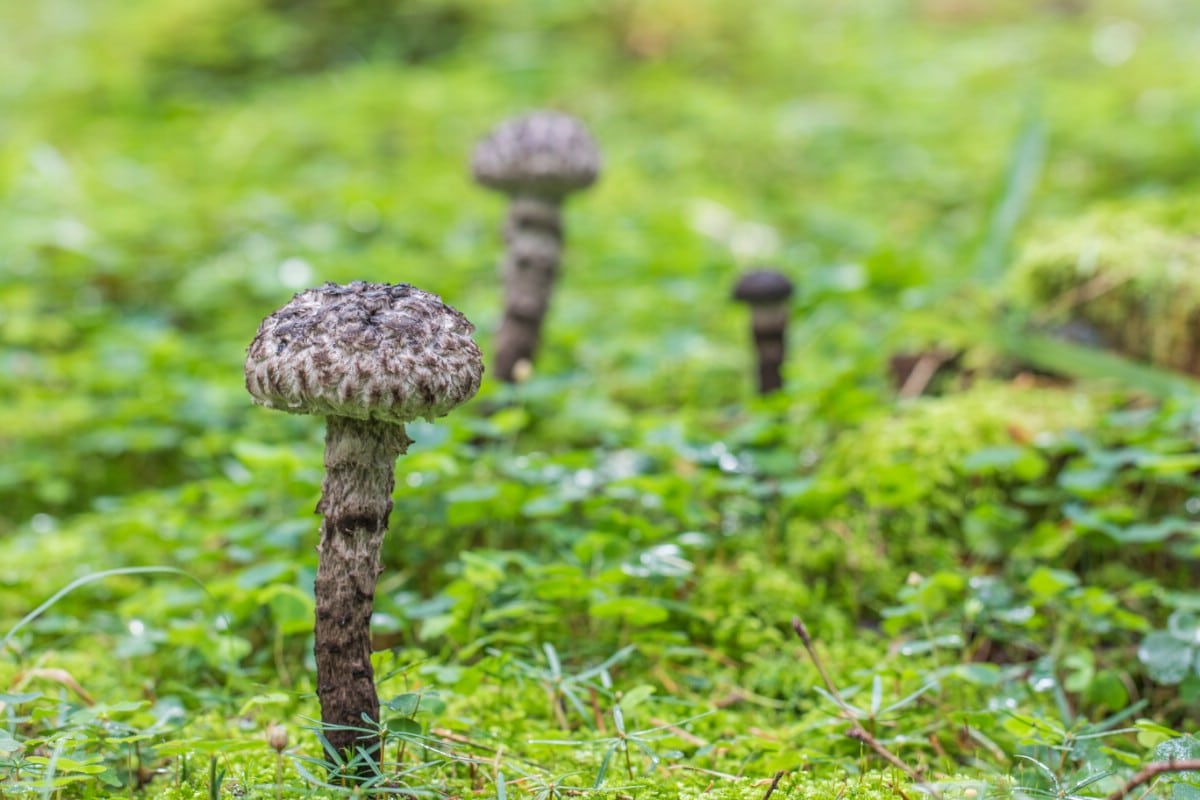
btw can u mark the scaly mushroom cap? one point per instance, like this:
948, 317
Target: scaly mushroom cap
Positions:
544, 153
366, 351
762, 286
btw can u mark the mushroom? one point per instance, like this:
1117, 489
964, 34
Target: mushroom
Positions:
537, 160
369, 357
767, 293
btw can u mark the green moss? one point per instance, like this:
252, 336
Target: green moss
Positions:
1129, 275
898, 488
172, 169
917, 451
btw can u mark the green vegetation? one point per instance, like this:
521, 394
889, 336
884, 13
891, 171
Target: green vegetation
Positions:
591, 577
1126, 276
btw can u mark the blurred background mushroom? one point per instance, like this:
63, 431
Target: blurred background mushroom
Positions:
537, 160
767, 293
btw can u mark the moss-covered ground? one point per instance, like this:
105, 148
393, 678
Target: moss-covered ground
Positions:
592, 580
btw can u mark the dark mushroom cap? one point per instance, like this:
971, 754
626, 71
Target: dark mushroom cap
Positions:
367, 350
762, 286
543, 153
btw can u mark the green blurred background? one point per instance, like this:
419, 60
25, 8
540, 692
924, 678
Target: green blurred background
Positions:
171, 171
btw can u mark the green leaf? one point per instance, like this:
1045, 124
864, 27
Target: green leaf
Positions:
471, 493
1184, 625
1152, 734
636, 696
1183, 464
275, 700
548, 505
1107, 690
63, 764
633, 610
1167, 659
7, 743
485, 571
876, 695
1046, 583
260, 574
948, 641
1184, 791
1180, 748
977, 674
1086, 481
404, 727
405, 704
1146, 532
8, 699
1022, 463
291, 607
435, 626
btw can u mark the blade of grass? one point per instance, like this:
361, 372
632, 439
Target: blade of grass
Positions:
85, 580
1086, 363
1020, 180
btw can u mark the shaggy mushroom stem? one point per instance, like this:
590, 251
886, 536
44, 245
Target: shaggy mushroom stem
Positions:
356, 501
533, 234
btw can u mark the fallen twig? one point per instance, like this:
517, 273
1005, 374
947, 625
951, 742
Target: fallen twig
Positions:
679, 732
60, 676
856, 731
1152, 771
863, 735
774, 783
922, 373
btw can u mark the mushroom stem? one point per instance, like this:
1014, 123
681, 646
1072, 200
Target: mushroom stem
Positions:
767, 293
534, 237
356, 501
768, 324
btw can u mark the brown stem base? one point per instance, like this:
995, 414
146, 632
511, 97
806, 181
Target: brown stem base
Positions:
770, 361
768, 325
360, 459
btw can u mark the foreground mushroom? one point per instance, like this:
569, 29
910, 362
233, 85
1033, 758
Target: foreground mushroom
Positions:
537, 159
369, 357
767, 293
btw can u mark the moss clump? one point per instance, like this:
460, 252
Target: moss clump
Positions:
917, 452
1130, 281
902, 485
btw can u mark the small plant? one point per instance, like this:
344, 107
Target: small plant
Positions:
403, 725
1054, 788
566, 690
625, 742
